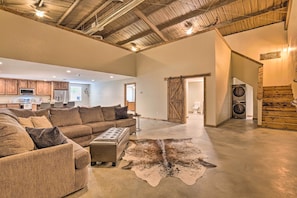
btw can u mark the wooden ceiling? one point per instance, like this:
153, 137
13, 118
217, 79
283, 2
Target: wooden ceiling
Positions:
147, 23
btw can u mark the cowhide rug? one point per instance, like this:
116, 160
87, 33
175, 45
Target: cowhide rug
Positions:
152, 160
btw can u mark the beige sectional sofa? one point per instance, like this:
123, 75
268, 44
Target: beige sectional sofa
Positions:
83, 124
58, 170
54, 171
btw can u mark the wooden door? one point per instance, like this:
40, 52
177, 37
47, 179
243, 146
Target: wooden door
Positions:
130, 96
176, 100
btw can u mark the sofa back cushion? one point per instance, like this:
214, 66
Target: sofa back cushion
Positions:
24, 113
13, 137
65, 117
109, 113
91, 114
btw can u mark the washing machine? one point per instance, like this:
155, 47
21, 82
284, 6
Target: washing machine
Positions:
238, 93
239, 110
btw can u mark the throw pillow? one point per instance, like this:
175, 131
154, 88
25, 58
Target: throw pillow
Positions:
91, 114
121, 112
41, 122
26, 122
46, 137
109, 113
13, 137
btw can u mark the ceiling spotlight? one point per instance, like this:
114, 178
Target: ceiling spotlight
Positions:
54, 76
39, 13
189, 27
1, 63
68, 71
93, 80
133, 47
111, 76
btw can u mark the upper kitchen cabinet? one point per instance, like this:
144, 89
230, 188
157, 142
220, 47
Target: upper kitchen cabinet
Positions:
2, 86
43, 88
60, 85
31, 84
11, 86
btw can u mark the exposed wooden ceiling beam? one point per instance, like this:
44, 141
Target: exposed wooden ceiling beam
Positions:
221, 24
150, 24
104, 5
120, 28
70, 9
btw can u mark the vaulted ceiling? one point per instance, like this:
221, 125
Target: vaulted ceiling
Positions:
144, 24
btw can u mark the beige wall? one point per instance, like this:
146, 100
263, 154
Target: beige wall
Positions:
263, 40
223, 80
25, 39
171, 60
246, 70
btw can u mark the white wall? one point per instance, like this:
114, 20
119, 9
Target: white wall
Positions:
109, 93
29, 40
195, 93
263, 40
85, 94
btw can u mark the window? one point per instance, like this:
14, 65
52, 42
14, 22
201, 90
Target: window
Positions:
75, 93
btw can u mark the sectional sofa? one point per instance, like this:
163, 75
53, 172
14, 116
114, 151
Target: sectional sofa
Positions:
57, 170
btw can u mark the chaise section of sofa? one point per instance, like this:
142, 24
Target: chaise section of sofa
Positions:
54, 171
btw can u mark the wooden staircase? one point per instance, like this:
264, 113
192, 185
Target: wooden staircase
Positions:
277, 111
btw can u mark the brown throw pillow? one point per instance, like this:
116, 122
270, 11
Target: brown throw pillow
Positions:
109, 113
46, 137
26, 122
121, 112
41, 122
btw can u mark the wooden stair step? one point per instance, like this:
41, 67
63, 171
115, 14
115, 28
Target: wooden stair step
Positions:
277, 100
275, 125
280, 113
277, 92
277, 87
283, 120
279, 108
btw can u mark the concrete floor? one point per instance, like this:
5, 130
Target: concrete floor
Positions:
251, 162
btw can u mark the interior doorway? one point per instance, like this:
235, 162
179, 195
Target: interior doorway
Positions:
195, 99
130, 96
177, 104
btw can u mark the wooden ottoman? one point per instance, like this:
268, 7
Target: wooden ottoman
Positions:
109, 146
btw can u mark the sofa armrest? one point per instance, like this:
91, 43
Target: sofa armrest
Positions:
47, 172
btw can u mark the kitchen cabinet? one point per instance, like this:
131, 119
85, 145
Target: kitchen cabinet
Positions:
60, 85
3, 106
13, 105
11, 86
43, 88
2, 86
31, 84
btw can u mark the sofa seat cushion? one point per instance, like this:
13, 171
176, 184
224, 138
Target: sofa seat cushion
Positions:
76, 131
125, 122
65, 117
91, 114
13, 137
100, 126
81, 156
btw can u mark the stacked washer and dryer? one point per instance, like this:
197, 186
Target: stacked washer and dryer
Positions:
239, 101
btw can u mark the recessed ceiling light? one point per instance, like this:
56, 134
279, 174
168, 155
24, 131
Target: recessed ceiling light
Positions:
111, 76
68, 71
54, 76
1, 63
93, 80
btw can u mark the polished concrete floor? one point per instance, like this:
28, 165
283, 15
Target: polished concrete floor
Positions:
251, 162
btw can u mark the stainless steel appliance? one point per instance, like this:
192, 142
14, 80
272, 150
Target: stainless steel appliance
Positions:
61, 96
27, 91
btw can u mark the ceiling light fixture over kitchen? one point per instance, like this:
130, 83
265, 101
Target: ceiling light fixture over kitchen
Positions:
68, 71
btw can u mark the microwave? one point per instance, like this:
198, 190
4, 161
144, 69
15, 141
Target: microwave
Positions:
26, 91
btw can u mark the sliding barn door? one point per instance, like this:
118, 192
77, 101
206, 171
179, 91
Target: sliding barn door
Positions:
176, 100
